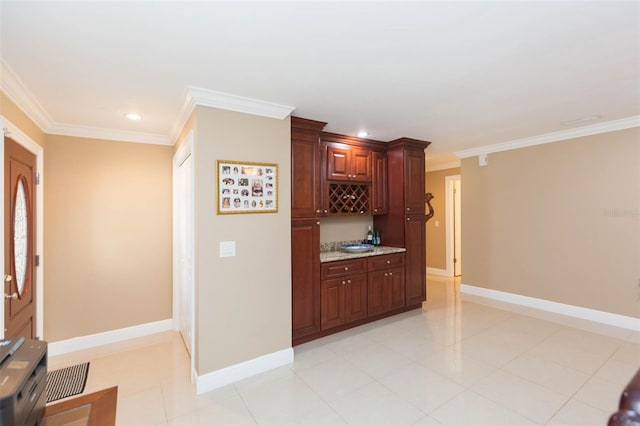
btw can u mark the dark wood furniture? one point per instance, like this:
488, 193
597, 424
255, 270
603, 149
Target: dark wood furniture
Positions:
339, 175
404, 223
344, 292
306, 210
386, 283
93, 409
628, 413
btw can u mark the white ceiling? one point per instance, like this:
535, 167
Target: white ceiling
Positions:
459, 74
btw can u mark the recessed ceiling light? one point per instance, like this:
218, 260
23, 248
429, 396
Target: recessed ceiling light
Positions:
133, 116
580, 120
362, 134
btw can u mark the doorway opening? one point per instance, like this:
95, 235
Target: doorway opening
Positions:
183, 246
453, 212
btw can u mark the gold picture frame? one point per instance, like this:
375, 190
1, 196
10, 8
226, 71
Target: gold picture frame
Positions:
247, 187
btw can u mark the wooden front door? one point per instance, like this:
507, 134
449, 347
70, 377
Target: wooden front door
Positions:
19, 241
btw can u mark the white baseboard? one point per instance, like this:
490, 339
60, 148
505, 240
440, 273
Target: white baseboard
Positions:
558, 308
237, 372
439, 272
113, 336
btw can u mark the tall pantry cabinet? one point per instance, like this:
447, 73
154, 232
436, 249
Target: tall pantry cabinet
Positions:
306, 209
404, 223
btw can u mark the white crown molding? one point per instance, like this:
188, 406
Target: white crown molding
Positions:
594, 129
211, 98
185, 112
108, 134
15, 90
443, 166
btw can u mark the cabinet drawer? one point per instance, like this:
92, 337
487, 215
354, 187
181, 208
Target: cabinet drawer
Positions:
386, 261
343, 267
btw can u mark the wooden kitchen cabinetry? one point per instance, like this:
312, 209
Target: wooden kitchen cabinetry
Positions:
343, 292
339, 175
306, 181
416, 263
386, 283
348, 163
404, 223
379, 188
305, 277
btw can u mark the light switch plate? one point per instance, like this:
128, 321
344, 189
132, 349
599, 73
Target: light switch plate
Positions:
227, 248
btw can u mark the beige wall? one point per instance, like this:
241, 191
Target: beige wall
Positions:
107, 241
244, 302
436, 235
558, 222
11, 112
345, 228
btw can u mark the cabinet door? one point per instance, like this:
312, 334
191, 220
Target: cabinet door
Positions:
415, 268
332, 301
379, 184
338, 167
305, 174
396, 285
414, 182
305, 277
360, 162
377, 293
356, 297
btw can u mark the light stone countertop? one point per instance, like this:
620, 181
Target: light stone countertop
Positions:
341, 255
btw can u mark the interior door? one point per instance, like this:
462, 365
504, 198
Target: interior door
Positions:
19, 243
457, 228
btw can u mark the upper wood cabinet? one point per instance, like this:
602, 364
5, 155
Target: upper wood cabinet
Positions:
306, 182
350, 163
414, 186
379, 188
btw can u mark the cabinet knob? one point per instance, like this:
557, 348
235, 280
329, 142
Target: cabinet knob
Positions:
390, 274
408, 218
386, 275
318, 211
348, 281
318, 223
346, 268
343, 283
388, 262
325, 211
408, 208
375, 210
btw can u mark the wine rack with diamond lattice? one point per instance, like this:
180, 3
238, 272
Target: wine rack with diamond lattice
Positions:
346, 199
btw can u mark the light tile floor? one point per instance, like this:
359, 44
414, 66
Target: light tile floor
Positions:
460, 360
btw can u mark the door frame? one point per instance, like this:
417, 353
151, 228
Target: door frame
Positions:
450, 221
12, 131
184, 153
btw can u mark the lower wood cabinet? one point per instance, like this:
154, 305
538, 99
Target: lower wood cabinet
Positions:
343, 294
416, 287
305, 277
343, 300
353, 290
386, 283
